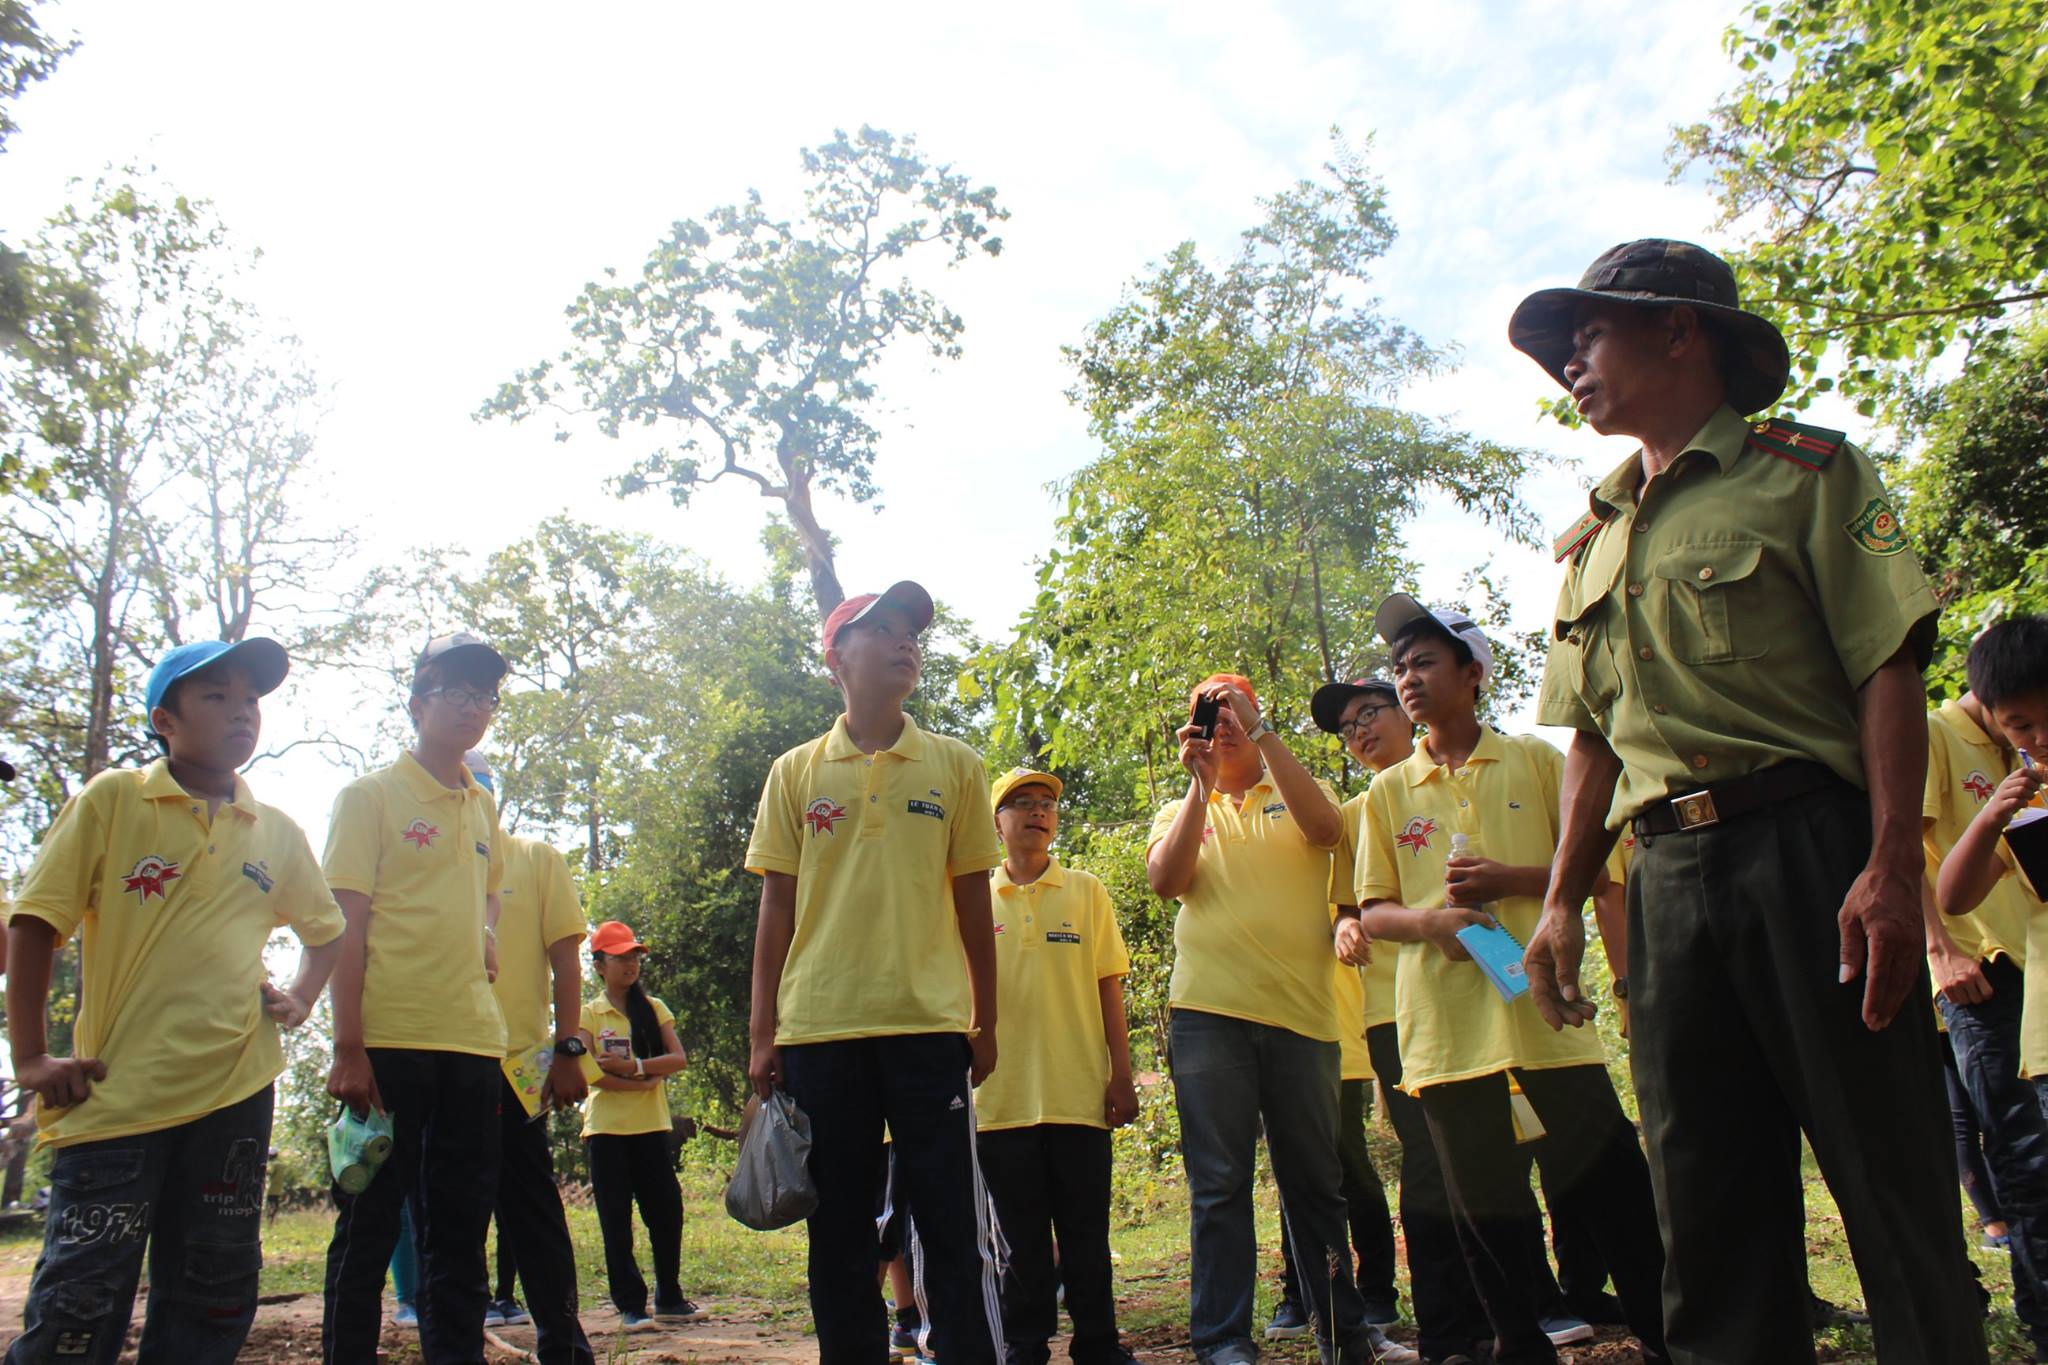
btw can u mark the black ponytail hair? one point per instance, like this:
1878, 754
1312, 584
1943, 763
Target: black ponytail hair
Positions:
646, 1025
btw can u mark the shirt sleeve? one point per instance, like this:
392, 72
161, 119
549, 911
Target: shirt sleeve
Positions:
353, 841
1112, 958
307, 904
774, 846
971, 842
1163, 822
62, 885
1558, 702
662, 1013
1378, 877
1871, 592
561, 914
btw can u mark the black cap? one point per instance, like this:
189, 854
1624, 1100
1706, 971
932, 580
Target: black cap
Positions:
463, 652
1331, 700
1656, 272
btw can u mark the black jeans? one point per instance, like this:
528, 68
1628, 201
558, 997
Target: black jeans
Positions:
1741, 1036
444, 1109
1365, 1205
533, 1234
1448, 1317
1599, 1178
1970, 1166
192, 1196
1985, 1039
625, 1170
1051, 1182
918, 1085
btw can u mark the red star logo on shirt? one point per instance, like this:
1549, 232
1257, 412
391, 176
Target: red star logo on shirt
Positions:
1978, 785
1415, 835
149, 877
822, 814
420, 834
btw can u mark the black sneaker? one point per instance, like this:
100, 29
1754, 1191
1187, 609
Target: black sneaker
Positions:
682, 1310
1825, 1314
1288, 1321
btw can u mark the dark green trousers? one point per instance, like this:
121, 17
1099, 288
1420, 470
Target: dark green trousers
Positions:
1742, 1038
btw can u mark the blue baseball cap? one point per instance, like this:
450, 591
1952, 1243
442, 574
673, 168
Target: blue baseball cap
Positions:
265, 659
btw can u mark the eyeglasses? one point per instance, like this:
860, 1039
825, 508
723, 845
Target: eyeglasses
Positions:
1033, 805
1364, 720
459, 697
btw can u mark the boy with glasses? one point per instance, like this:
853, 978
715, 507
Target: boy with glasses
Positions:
415, 858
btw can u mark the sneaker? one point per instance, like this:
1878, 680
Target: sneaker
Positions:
1387, 1351
1563, 1329
494, 1314
509, 1312
635, 1322
682, 1310
1996, 1241
1383, 1312
1288, 1321
407, 1317
1825, 1314
903, 1341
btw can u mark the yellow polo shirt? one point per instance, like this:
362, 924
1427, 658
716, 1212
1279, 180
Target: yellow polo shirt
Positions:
621, 1113
1454, 1025
1354, 1064
538, 908
1964, 766
172, 911
1252, 939
874, 844
426, 856
1056, 940
1379, 973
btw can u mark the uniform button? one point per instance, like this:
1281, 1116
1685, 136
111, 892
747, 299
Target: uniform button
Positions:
874, 798
209, 848
1699, 760
1642, 526
1463, 802
1661, 709
195, 810
1706, 573
1635, 590
1645, 653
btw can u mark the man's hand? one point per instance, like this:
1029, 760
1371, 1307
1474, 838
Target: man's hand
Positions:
1441, 927
1882, 941
287, 1009
2016, 791
353, 1082
1241, 707
1353, 944
1475, 881
983, 1043
1119, 1101
59, 1082
565, 1084
1197, 755
1957, 975
1552, 962
764, 1066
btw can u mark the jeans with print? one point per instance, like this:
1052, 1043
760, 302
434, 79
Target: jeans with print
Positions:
191, 1196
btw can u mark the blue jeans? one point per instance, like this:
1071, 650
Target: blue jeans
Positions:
192, 1196
1228, 1074
1986, 1039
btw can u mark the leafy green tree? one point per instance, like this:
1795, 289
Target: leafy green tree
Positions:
1888, 163
1246, 513
747, 345
27, 55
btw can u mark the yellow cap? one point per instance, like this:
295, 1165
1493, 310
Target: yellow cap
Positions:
1016, 778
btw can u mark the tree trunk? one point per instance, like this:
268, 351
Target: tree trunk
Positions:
817, 544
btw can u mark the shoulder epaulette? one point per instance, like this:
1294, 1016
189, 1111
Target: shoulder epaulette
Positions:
1795, 443
1583, 530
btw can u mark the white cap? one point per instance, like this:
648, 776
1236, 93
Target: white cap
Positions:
1400, 611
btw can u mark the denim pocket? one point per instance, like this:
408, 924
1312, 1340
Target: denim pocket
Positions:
83, 1172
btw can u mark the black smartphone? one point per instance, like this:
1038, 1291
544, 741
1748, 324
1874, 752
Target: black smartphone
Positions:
1204, 719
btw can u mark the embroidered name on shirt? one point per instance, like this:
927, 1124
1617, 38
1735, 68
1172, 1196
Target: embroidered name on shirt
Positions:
259, 873
1056, 936
931, 808
483, 850
1277, 809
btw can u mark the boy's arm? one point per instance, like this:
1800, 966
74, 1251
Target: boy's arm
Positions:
1973, 866
1170, 862
1120, 1102
290, 1006
565, 1083
773, 929
1956, 974
351, 1080
1398, 923
1591, 770
978, 937
59, 1081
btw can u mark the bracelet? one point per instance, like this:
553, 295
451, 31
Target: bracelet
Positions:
639, 1069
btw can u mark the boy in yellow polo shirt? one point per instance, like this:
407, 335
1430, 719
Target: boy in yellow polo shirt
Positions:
874, 990
415, 858
173, 877
1460, 1040
1045, 1115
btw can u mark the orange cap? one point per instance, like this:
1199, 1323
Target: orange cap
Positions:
1215, 680
612, 937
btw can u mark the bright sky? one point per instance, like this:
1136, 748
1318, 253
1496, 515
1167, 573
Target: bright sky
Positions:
429, 189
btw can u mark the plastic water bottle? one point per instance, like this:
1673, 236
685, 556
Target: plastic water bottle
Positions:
1461, 847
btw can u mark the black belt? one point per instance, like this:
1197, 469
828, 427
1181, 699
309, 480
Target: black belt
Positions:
1720, 802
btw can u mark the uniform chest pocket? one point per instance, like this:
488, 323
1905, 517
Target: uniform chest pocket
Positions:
1709, 594
1582, 651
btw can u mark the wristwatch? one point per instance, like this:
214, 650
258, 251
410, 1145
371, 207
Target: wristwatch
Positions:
572, 1046
1258, 731
1621, 988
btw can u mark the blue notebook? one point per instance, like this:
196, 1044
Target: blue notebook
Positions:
1498, 955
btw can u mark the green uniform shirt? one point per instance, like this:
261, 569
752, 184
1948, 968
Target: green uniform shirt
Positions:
1720, 618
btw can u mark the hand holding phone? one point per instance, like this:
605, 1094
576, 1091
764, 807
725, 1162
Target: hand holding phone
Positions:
1206, 710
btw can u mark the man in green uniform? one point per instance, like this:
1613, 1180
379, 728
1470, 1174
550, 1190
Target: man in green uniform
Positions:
1738, 647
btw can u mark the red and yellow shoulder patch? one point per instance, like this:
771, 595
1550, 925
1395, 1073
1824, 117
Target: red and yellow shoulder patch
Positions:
1807, 447
1583, 530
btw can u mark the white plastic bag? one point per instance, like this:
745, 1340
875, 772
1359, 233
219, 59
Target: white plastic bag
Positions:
771, 1185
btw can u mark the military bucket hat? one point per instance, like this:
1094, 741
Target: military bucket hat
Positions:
1656, 272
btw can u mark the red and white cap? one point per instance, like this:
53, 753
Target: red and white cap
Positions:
907, 595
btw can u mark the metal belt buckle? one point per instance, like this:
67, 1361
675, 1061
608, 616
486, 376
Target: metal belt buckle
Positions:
1695, 811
